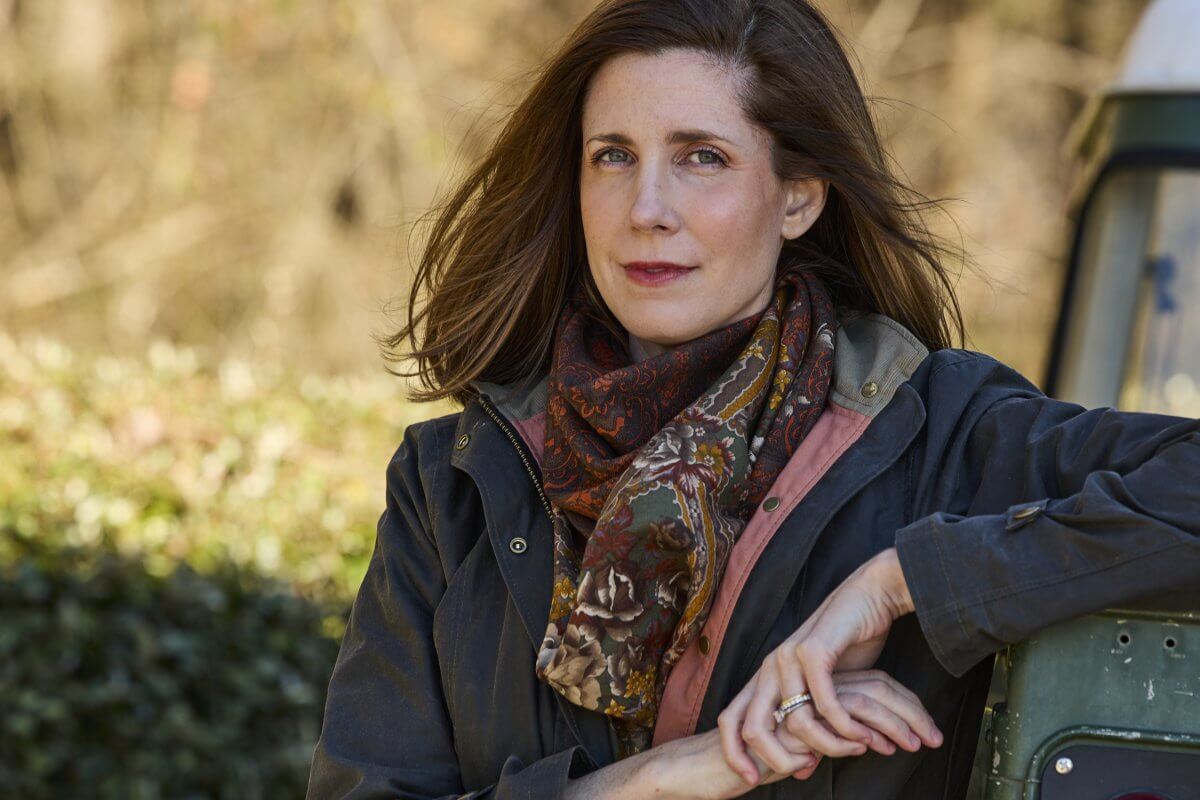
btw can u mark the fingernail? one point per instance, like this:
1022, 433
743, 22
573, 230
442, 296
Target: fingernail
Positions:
913, 741
806, 764
937, 737
751, 777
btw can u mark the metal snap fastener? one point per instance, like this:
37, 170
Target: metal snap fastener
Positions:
870, 389
462, 441
1026, 513
518, 545
770, 504
1064, 766
704, 645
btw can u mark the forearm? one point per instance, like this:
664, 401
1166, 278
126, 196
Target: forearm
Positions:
983, 581
691, 768
629, 779
1045, 512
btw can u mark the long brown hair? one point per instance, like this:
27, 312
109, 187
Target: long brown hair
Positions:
507, 243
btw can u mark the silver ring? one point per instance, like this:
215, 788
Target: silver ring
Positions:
791, 704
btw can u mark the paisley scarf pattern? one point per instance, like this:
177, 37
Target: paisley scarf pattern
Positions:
670, 456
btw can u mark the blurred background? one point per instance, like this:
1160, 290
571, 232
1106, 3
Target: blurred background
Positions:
205, 212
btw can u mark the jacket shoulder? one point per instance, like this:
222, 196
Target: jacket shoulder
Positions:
420, 465
970, 375
428, 441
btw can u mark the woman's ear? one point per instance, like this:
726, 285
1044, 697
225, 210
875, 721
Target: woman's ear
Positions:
804, 198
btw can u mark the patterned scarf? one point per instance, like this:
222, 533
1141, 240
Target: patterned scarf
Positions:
670, 456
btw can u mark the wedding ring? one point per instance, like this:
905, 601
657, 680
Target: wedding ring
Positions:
791, 704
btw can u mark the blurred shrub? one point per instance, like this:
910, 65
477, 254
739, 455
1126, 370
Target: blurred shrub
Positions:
115, 683
173, 457
179, 543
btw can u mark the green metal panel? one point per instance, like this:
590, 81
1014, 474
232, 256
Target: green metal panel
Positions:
1129, 677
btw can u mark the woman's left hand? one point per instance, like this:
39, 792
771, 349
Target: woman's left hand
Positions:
846, 632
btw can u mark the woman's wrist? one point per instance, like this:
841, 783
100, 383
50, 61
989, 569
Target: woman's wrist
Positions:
658, 775
895, 585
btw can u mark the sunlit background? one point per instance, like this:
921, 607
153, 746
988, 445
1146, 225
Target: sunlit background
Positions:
205, 212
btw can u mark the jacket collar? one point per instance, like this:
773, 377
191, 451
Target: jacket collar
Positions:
873, 354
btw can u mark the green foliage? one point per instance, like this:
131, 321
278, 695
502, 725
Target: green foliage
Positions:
171, 457
116, 683
179, 545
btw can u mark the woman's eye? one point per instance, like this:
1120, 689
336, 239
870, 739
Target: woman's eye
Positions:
599, 158
708, 157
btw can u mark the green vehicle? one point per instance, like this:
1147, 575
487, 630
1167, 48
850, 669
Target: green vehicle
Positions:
1107, 707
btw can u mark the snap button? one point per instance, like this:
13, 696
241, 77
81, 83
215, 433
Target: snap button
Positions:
870, 389
770, 504
462, 441
704, 645
1020, 517
518, 545
1025, 513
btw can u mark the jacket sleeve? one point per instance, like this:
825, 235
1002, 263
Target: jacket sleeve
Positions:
1069, 510
386, 732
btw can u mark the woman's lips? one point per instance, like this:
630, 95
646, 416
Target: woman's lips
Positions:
655, 273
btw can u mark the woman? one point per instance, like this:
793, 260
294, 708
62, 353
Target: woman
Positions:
716, 447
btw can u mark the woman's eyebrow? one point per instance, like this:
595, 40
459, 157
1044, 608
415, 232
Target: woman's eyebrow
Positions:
674, 137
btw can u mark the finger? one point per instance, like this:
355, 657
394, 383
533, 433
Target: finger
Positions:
883, 720
758, 729
899, 700
817, 660
730, 721
790, 672
878, 740
803, 724
805, 774
879, 743
856, 679
799, 748
793, 743
859, 676
800, 722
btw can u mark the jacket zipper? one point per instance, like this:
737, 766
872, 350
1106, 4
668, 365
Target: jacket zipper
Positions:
553, 513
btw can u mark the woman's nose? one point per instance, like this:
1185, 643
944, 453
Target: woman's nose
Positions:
652, 207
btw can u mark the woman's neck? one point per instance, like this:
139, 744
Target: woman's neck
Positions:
640, 349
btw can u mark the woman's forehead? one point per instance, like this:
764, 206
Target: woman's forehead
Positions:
640, 99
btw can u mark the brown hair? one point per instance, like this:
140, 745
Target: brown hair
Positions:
508, 242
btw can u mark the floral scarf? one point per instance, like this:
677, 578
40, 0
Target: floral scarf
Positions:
669, 456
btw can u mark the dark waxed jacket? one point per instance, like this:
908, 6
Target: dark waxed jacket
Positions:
1009, 510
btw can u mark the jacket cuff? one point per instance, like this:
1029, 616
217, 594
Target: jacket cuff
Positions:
547, 777
936, 593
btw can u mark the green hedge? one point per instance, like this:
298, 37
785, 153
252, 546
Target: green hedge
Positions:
180, 539
119, 683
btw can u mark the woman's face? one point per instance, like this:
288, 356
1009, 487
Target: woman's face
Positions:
673, 172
